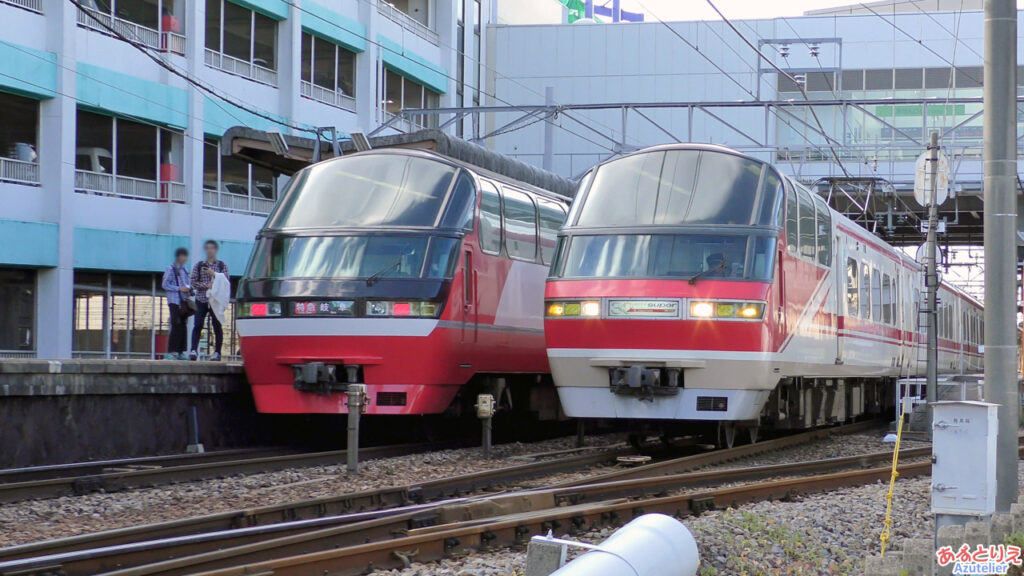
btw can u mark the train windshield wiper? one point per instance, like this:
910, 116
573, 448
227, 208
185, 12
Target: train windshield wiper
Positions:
376, 276
693, 279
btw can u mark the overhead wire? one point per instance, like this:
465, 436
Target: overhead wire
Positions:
835, 155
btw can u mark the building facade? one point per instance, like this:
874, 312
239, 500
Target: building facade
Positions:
111, 112
884, 75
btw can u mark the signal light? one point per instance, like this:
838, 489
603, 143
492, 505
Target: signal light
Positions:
588, 308
401, 309
556, 309
258, 309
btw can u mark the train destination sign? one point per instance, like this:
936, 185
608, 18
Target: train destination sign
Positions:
644, 308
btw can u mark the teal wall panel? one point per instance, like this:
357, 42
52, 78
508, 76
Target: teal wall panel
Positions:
98, 249
236, 255
413, 66
276, 9
28, 243
109, 91
27, 71
333, 26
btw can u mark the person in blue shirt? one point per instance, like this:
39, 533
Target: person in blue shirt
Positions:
176, 285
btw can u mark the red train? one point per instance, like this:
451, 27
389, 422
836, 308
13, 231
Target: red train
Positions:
416, 274
693, 284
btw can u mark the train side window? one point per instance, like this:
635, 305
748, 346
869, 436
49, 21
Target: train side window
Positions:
552, 216
887, 301
865, 292
459, 213
807, 232
792, 234
490, 219
824, 230
520, 225
771, 197
876, 295
852, 288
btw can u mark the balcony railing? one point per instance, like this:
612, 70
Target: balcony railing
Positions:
407, 22
19, 171
17, 353
237, 203
104, 23
127, 187
233, 65
33, 5
327, 96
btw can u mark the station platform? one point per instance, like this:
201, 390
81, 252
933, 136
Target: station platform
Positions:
56, 411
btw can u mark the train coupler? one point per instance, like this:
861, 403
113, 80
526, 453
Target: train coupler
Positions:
643, 382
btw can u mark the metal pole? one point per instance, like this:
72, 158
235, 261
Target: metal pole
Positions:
1000, 168
932, 276
549, 130
356, 392
581, 433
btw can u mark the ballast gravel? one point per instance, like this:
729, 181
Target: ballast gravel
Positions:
31, 521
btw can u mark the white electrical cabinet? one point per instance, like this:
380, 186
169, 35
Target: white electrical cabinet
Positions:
964, 458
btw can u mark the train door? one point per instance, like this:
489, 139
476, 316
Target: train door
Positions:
469, 289
840, 272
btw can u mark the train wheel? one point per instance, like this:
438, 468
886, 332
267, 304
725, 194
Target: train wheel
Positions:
726, 434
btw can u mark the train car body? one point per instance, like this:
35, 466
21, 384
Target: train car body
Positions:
693, 283
404, 270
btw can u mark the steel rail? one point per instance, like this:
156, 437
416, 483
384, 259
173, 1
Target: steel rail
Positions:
336, 507
317, 531
434, 543
114, 481
92, 467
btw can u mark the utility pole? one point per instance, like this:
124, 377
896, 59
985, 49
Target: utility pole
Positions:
931, 276
1000, 170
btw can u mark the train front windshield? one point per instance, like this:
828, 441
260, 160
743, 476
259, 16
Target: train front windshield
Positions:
367, 216
674, 214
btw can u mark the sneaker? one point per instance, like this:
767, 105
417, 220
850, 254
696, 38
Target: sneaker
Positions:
192, 356
215, 357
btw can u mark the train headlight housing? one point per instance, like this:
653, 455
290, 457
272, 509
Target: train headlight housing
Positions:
259, 309
702, 310
735, 310
402, 309
575, 309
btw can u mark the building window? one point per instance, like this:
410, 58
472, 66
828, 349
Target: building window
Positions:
125, 316
17, 323
235, 185
401, 93
158, 24
19, 135
328, 72
241, 41
124, 158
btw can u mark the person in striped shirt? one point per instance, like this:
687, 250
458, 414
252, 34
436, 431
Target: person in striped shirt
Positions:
202, 279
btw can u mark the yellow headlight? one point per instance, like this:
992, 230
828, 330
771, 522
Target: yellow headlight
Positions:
702, 310
572, 309
556, 309
750, 311
591, 308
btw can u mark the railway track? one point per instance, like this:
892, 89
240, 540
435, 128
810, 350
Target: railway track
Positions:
221, 541
116, 475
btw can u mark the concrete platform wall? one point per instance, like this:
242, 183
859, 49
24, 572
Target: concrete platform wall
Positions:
65, 411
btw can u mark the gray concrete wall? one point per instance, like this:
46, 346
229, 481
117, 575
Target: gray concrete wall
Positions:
56, 412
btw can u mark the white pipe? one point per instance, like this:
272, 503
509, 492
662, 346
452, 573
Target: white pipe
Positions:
651, 545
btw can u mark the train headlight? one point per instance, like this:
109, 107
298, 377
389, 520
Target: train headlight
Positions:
259, 309
702, 310
727, 309
752, 310
575, 309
